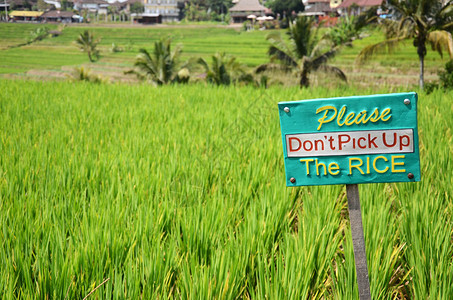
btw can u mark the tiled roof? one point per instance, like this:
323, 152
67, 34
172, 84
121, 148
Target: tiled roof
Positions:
361, 3
58, 14
91, 1
248, 5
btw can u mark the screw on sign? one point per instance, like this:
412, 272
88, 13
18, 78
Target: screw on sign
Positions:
351, 140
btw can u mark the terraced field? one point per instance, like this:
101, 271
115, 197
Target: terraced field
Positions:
56, 57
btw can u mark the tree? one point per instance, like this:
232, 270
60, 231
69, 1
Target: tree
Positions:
42, 6
350, 28
38, 34
286, 7
88, 43
161, 66
219, 6
305, 52
223, 70
423, 21
137, 8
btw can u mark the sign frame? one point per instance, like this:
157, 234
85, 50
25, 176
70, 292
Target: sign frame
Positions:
358, 115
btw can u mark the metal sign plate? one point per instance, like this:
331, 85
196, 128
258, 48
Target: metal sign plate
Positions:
350, 140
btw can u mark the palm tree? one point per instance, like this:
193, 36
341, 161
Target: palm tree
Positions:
88, 43
223, 70
161, 66
39, 34
305, 52
424, 21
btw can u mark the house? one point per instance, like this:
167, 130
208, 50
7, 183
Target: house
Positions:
161, 11
322, 11
60, 16
27, 16
356, 7
148, 18
244, 8
317, 8
99, 6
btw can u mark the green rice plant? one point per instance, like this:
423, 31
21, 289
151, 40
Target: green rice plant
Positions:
178, 192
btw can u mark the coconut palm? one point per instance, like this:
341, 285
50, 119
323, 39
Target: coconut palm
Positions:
305, 52
39, 34
223, 69
87, 43
161, 66
424, 21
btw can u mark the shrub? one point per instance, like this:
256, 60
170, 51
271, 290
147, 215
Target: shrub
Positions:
446, 76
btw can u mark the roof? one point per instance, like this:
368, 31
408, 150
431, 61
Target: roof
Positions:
91, 1
316, 9
118, 4
248, 5
58, 14
361, 3
318, 1
19, 13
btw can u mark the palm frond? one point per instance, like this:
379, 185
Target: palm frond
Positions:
323, 58
333, 70
280, 50
282, 56
447, 10
304, 35
271, 67
369, 51
439, 40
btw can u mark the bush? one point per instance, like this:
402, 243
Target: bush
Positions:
82, 74
446, 76
445, 79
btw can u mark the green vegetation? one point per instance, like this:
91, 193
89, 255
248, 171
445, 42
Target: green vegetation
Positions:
87, 43
286, 8
424, 22
197, 41
55, 57
304, 52
178, 191
223, 69
159, 67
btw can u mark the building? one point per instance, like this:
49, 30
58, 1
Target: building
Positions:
244, 8
95, 6
317, 7
322, 11
161, 10
26, 16
356, 7
60, 16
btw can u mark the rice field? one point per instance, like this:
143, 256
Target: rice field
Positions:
179, 192
55, 57
202, 41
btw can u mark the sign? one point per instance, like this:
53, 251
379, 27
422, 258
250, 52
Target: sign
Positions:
351, 140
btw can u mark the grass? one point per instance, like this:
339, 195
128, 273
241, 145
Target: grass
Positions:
203, 41
59, 54
179, 192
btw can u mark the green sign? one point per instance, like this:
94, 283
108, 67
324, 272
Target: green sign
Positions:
351, 140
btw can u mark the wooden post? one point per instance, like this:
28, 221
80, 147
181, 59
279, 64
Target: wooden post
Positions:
358, 241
